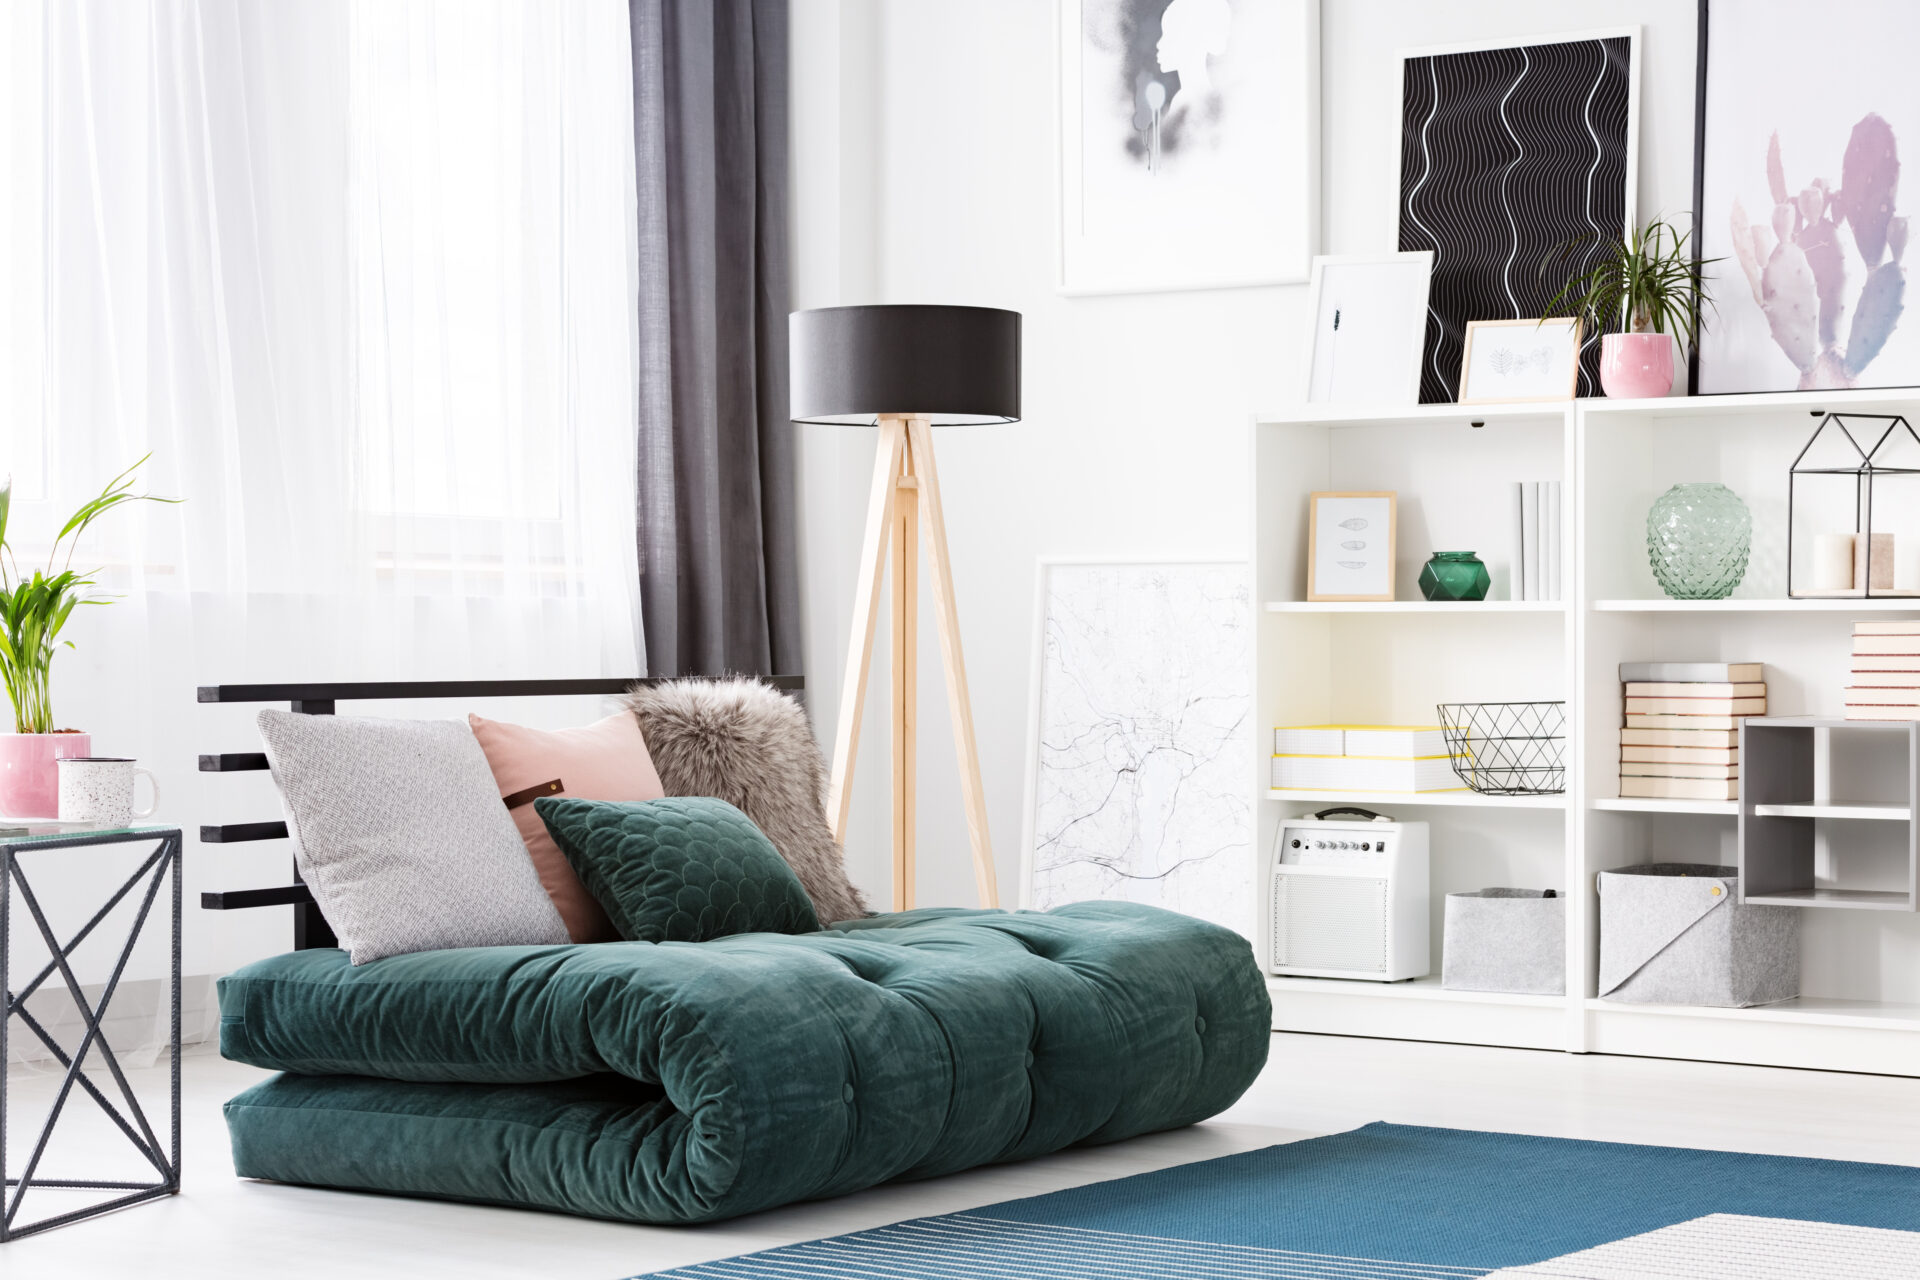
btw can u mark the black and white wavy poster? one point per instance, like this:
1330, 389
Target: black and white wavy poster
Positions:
1505, 156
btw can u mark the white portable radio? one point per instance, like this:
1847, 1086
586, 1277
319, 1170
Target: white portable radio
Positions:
1350, 898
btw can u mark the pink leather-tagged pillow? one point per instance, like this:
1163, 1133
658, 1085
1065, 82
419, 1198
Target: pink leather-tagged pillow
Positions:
606, 760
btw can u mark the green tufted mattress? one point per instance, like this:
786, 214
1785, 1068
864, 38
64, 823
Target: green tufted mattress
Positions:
687, 1082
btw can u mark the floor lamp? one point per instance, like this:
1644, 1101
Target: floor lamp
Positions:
906, 370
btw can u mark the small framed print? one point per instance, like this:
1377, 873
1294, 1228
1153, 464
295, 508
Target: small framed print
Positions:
1369, 326
1512, 360
1350, 539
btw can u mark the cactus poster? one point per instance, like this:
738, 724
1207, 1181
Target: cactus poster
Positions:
1802, 136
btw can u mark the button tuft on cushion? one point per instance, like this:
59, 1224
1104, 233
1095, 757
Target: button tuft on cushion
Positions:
1200, 1026
846, 1094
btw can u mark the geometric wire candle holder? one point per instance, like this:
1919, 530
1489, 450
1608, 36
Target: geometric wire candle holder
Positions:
1507, 748
1857, 470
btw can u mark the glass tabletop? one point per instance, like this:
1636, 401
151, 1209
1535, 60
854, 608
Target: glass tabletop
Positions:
28, 830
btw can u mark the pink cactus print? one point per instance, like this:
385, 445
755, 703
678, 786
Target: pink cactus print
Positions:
1797, 267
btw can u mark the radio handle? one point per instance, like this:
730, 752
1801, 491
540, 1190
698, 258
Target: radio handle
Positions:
1368, 814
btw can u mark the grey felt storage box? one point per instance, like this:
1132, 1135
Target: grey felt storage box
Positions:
1674, 933
1509, 940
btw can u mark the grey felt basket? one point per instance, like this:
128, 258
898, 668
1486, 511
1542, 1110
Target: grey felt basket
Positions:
1674, 933
1509, 940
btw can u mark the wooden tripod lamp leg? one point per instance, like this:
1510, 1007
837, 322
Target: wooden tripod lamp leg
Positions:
866, 611
947, 617
906, 645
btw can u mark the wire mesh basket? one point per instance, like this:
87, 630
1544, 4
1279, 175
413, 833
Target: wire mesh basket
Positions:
1507, 748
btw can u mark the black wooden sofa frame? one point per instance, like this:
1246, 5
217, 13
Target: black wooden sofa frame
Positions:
310, 928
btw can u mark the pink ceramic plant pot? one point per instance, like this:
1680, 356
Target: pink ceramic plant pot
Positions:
29, 778
1636, 366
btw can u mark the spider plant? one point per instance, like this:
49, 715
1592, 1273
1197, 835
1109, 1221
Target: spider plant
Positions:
34, 607
1647, 280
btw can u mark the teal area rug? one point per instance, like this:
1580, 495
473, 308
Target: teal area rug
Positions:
1394, 1202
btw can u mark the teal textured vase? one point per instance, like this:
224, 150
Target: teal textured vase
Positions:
1698, 537
1454, 575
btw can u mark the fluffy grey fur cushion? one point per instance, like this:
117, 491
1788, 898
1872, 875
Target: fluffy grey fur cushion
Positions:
748, 744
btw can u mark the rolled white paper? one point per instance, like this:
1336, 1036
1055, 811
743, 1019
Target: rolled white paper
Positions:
1832, 562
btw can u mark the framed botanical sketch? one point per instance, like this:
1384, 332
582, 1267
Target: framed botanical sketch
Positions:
1141, 725
1796, 192
1509, 153
1369, 326
1189, 143
1350, 539
1510, 360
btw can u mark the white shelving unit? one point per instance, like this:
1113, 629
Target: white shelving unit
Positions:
1391, 662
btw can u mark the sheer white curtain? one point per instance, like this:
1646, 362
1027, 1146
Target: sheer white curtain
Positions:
359, 274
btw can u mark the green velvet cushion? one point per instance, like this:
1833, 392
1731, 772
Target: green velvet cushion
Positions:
683, 869
691, 1082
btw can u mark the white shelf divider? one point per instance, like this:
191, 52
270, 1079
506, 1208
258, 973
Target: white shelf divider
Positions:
1865, 810
1637, 804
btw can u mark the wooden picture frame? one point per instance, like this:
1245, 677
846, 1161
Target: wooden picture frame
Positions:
1334, 580
1562, 335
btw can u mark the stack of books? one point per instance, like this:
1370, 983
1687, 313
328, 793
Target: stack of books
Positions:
1886, 671
1362, 757
1682, 740
1533, 516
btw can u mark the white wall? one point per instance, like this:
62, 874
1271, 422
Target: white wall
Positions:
924, 171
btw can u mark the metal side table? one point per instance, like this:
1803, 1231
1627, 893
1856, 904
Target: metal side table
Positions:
21, 850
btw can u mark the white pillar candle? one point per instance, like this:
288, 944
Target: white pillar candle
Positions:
1832, 562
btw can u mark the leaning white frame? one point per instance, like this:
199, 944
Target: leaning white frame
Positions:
1633, 36
1036, 663
1321, 261
1069, 195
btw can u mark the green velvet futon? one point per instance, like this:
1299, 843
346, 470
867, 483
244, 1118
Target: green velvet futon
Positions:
688, 1082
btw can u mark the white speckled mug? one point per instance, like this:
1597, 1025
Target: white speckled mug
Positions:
99, 789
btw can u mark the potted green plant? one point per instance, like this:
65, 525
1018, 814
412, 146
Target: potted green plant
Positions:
1649, 282
34, 607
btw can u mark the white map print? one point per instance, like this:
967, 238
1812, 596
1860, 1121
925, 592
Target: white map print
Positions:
1143, 792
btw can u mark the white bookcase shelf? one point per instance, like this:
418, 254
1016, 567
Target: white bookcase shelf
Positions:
1429, 608
1419, 799
1638, 804
1879, 604
1390, 662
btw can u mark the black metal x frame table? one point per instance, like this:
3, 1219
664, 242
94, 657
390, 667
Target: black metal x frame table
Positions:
162, 865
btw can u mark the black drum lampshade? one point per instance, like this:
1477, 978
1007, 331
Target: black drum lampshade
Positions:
951, 365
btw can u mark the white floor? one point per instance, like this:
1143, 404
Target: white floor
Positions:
222, 1227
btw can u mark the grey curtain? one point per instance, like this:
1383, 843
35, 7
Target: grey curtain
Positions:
719, 589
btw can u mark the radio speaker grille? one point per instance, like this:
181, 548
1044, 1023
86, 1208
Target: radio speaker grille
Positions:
1330, 922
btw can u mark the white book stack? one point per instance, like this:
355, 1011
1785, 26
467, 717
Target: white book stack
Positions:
1886, 671
1362, 758
1534, 523
1682, 734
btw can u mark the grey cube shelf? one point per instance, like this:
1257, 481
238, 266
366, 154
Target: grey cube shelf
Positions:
1779, 811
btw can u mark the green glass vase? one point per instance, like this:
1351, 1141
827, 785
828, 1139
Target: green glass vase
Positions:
1454, 575
1698, 538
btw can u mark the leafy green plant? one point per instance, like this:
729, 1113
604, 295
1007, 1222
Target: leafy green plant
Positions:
34, 608
1648, 279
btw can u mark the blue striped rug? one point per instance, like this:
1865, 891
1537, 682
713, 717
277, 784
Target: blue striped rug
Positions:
1395, 1202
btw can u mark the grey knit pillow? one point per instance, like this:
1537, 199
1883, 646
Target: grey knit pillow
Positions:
399, 832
